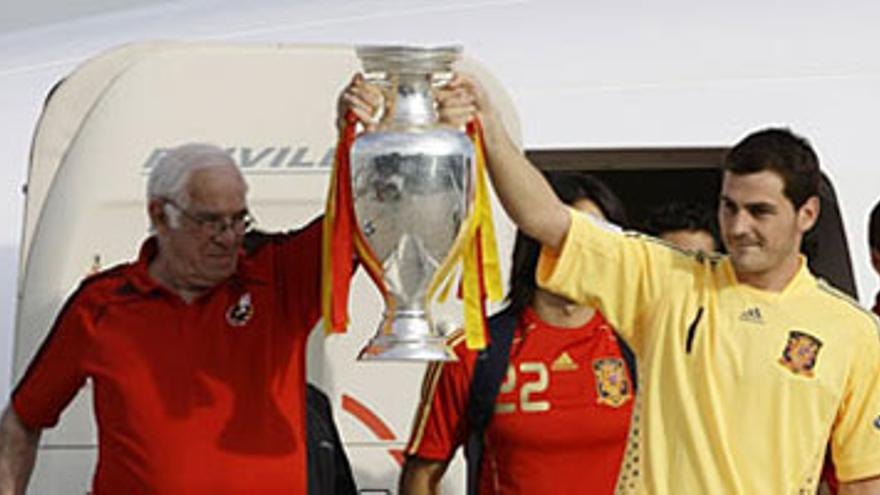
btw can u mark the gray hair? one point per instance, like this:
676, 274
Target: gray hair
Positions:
168, 178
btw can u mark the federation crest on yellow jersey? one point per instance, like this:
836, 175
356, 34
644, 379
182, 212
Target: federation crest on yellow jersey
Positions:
801, 353
612, 384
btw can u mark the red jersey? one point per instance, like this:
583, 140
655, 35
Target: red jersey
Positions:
199, 398
561, 417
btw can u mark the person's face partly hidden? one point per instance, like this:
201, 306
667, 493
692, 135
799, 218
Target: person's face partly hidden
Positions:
588, 206
760, 226
690, 240
202, 256
583, 205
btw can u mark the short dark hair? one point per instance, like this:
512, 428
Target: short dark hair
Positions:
570, 187
780, 151
874, 228
680, 215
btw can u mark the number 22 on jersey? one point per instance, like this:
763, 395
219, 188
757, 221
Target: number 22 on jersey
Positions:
533, 378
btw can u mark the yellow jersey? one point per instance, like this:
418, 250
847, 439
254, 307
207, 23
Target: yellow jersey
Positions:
740, 390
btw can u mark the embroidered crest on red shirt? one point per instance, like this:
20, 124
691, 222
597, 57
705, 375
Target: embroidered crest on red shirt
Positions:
801, 353
241, 312
612, 383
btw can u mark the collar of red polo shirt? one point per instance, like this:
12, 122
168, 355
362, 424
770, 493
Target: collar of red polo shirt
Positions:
474, 255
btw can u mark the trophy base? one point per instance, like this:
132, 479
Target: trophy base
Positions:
391, 349
410, 339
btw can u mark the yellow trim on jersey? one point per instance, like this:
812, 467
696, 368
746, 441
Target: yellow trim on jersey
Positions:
429, 387
420, 421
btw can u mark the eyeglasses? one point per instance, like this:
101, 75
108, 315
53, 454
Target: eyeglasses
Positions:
214, 224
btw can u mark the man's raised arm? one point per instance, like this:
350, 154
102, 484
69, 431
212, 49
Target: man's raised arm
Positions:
18, 452
522, 189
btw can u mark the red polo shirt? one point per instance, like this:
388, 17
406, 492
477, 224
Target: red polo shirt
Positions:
199, 398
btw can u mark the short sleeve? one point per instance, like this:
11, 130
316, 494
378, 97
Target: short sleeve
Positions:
56, 373
600, 266
301, 262
624, 274
440, 423
855, 439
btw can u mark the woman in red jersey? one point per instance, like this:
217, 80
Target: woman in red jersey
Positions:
561, 416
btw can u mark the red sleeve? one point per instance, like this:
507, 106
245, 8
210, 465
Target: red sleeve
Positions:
440, 425
301, 259
56, 373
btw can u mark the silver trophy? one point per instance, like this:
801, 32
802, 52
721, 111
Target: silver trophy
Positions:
413, 185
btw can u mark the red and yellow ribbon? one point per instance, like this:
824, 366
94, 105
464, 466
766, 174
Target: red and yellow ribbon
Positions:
476, 249
341, 239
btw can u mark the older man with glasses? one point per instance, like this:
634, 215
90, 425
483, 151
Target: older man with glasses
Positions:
195, 350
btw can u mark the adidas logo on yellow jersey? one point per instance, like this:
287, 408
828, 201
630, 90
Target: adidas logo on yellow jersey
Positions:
752, 315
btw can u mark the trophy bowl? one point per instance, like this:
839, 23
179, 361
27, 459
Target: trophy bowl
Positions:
412, 183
